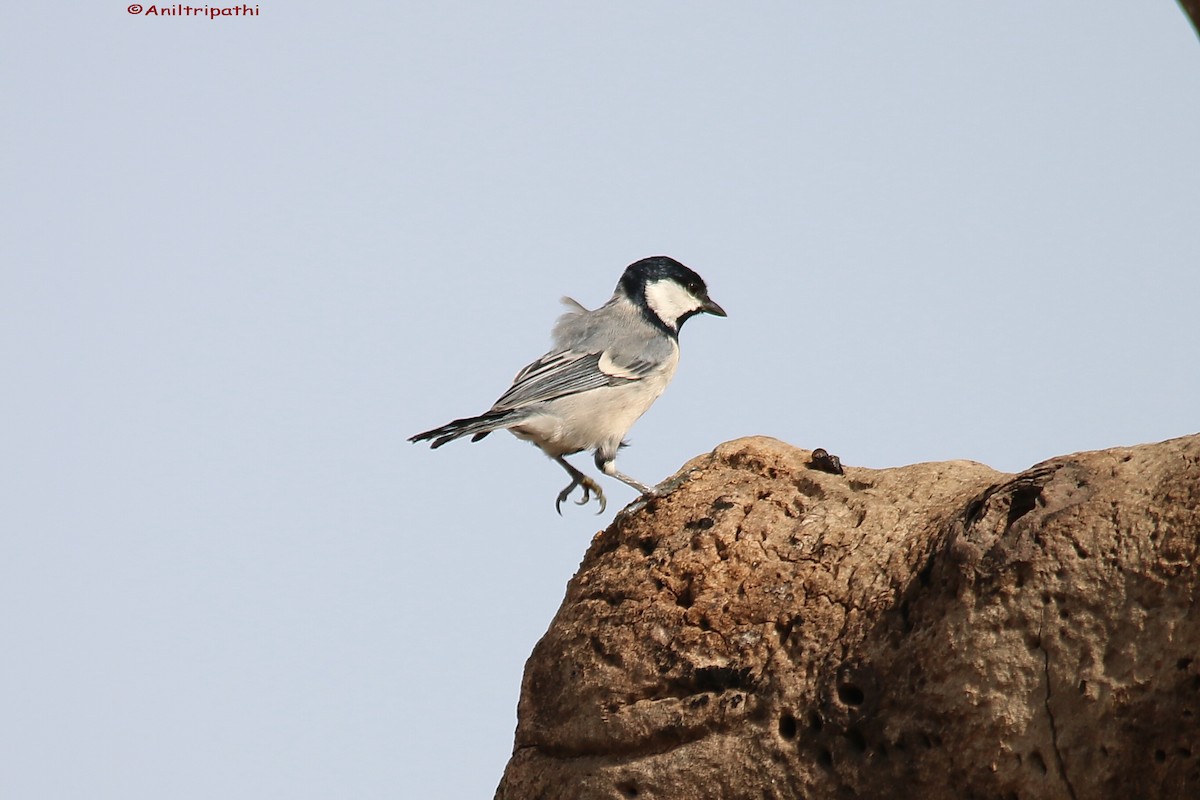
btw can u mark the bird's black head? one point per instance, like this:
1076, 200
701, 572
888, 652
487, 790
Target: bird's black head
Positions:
667, 292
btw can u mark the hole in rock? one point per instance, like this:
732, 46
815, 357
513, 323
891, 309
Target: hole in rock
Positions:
974, 510
1024, 500
720, 679
787, 726
850, 694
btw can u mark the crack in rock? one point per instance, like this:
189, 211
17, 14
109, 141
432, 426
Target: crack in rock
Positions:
1058, 756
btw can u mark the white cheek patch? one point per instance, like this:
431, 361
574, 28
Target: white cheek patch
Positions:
670, 301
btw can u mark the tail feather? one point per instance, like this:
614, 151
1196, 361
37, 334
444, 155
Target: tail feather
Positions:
475, 427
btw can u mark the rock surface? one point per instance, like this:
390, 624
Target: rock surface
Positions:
1192, 9
772, 631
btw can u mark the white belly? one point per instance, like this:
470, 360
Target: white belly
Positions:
598, 419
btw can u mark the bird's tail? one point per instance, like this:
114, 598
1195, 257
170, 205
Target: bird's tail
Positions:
475, 427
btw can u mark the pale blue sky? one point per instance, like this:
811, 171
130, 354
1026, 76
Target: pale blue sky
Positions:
242, 260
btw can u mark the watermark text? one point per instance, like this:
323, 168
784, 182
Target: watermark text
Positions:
184, 10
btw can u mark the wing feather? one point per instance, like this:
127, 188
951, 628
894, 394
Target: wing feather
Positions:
610, 346
560, 374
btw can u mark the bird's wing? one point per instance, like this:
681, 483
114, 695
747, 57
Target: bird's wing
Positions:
566, 372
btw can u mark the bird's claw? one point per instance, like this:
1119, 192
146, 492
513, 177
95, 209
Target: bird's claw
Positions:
589, 487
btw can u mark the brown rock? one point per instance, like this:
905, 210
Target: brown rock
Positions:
1192, 9
771, 631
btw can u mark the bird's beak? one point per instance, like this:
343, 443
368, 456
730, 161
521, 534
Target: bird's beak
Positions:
710, 307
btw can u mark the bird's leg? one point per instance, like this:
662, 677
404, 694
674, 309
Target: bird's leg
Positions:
579, 479
608, 465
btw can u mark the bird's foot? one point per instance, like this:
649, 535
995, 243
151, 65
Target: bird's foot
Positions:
589, 487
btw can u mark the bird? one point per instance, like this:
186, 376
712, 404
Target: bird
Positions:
606, 368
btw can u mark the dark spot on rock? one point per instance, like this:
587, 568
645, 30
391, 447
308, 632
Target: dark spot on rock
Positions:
610, 658
815, 723
647, 545
702, 524
721, 504
825, 758
1024, 499
925, 576
856, 740
787, 726
685, 598
719, 679
808, 488
628, 789
615, 598
744, 459
1159, 756
784, 629
976, 508
850, 694
1183, 663
1038, 763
